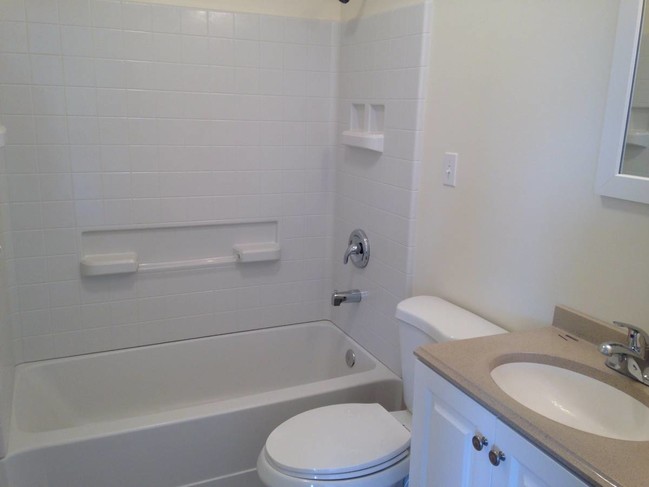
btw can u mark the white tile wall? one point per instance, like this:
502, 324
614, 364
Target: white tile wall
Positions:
122, 113
6, 333
125, 114
383, 60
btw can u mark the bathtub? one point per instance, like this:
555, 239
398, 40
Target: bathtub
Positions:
193, 413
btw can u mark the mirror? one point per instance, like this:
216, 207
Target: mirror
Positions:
623, 170
635, 159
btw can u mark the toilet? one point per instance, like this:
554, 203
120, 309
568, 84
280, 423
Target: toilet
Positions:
363, 445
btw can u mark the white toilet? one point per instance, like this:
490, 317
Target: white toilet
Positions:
363, 445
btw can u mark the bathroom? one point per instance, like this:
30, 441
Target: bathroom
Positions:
172, 125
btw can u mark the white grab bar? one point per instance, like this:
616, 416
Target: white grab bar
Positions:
181, 265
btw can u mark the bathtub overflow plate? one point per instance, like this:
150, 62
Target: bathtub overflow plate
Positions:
350, 358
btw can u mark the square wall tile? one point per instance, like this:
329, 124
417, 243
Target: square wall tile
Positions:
166, 19
107, 13
221, 24
13, 37
193, 22
76, 40
246, 26
75, 12
16, 100
12, 10
44, 38
42, 11
137, 16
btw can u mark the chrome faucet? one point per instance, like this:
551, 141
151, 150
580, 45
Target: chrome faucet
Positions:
353, 249
632, 359
340, 297
358, 249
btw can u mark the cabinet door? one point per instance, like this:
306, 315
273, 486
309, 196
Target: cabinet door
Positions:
527, 466
444, 423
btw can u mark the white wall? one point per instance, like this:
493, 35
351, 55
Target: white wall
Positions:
383, 61
518, 88
116, 114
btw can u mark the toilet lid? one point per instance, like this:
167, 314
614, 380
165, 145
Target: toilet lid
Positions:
333, 441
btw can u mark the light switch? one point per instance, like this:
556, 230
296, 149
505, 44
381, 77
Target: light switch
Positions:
450, 169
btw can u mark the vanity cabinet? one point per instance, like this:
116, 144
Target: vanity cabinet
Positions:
456, 442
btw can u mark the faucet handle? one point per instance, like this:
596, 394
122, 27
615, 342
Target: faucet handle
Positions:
634, 336
353, 249
358, 249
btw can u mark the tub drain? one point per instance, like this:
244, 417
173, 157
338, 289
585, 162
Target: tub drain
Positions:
350, 358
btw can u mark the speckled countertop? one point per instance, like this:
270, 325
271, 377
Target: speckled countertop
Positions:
570, 344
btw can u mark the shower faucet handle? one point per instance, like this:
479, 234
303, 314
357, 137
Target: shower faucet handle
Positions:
358, 249
353, 249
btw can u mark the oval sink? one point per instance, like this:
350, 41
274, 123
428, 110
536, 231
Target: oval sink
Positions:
574, 400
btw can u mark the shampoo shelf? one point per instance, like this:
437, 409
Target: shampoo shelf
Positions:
365, 140
127, 263
128, 250
366, 127
108, 264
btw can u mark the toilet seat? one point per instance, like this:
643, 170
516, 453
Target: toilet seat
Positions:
389, 477
337, 442
339, 476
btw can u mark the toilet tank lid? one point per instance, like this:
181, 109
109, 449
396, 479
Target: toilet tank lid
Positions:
444, 321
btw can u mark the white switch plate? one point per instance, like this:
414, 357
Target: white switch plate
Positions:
450, 169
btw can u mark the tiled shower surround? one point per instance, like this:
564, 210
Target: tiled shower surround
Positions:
125, 115
6, 336
384, 60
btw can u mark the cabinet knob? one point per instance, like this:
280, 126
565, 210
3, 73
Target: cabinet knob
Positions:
496, 456
479, 441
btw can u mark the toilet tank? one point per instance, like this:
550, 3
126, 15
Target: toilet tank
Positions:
428, 319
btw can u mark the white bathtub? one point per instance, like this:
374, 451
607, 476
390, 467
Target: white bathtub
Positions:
192, 413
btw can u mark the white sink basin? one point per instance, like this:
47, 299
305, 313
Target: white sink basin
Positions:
574, 400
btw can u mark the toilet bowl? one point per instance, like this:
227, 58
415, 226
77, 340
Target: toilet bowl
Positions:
364, 445
351, 444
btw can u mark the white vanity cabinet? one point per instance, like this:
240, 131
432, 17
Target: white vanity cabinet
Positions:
455, 440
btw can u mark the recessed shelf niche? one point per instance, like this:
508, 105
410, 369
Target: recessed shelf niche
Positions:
366, 127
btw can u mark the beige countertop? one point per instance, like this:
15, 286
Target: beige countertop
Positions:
600, 461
